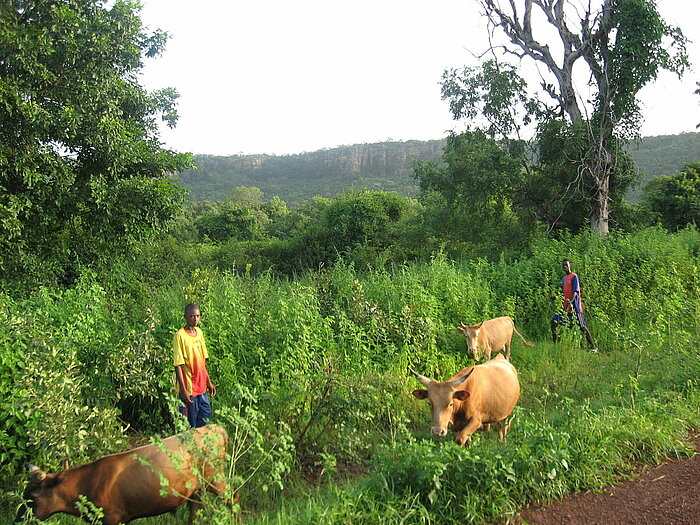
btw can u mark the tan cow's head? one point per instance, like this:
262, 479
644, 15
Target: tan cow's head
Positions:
441, 397
471, 333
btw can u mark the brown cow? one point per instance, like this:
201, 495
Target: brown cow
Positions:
146, 481
492, 335
476, 396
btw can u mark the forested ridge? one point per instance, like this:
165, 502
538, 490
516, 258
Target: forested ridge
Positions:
385, 166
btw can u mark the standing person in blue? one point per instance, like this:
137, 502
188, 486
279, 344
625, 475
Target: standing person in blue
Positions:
189, 357
572, 306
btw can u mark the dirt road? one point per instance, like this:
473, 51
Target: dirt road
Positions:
668, 494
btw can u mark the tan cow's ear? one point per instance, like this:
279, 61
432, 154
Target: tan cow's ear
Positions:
420, 393
460, 329
461, 395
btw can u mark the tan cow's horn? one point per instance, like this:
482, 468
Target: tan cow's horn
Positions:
419, 377
460, 380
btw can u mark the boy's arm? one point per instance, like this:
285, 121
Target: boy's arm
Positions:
182, 389
210, 385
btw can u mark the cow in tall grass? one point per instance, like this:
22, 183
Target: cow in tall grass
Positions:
146, 481
489, 336
476, 396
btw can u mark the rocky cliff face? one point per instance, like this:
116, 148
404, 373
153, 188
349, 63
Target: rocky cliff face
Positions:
328, 172
385, 159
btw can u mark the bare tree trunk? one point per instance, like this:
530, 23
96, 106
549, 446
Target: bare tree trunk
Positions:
599, 166
600, 211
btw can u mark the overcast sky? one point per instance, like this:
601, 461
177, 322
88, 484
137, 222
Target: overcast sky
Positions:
283, 77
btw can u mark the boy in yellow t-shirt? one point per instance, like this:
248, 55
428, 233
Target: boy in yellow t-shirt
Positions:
189, 357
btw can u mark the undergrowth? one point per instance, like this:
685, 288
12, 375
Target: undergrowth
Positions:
312, 379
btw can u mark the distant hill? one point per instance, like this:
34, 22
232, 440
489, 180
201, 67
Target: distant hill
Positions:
664, 155
382, 166
329, 172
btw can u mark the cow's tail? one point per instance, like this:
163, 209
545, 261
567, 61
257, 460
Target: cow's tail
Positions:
527, 343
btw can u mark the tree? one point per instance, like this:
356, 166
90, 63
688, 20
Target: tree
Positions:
623, 44
675, 199
697, 92
473, 197
83, 174
359, 225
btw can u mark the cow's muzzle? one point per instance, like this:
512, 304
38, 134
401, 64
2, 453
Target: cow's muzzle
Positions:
438, 431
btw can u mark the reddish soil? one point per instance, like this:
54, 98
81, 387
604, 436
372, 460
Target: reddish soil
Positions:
668, 494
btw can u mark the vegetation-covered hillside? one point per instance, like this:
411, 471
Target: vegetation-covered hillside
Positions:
326, 173
385, 166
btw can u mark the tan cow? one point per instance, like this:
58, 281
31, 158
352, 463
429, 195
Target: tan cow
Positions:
489, 336
146, 481
476, 396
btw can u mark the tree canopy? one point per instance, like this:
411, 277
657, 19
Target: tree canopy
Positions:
623, 45
82, 171
675, 199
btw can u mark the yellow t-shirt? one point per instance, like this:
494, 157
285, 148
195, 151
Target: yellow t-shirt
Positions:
190, 352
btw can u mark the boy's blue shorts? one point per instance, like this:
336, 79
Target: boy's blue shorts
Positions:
570, 319
198, 412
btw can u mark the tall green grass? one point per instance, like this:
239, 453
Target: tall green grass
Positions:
314, 370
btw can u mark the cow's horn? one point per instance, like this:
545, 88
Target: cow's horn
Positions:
460, 380
36, 471
419, 377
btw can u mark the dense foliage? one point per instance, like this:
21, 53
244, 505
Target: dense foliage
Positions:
675, 199
312, 375
82, 173
313, 312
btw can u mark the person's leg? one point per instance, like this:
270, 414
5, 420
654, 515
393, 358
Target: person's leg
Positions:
191, 411
186, 411
589, 337
584, 328
203, 411
556, 321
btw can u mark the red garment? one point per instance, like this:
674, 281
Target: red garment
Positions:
190, 352
572, 284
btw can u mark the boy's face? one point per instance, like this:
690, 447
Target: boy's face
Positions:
193, 317
566, 266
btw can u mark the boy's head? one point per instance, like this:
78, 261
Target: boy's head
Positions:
192, 315
566, 266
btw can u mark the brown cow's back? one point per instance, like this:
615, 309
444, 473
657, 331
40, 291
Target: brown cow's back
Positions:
492, 335
496, 333
149, 480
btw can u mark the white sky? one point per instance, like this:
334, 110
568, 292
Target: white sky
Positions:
282, 77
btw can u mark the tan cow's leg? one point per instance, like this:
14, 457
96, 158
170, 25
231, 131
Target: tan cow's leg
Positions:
503, 428
507, 347
465, 434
